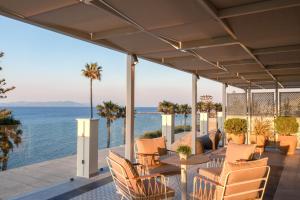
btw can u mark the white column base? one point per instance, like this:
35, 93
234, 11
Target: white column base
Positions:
87, 147
203, 123
167, 128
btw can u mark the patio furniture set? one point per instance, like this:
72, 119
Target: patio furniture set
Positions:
234, 172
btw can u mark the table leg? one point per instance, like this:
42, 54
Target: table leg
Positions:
183, 182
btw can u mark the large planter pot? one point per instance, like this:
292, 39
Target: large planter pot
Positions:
237, 139
260, 141
288, 144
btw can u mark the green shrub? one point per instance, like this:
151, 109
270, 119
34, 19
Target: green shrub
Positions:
152, 134
184, 149
158, 133
180, 129
286, 125
235, 126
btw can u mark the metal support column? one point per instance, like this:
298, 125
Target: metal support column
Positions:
194, 112
129, 138
276, 108
249, 113
224, 104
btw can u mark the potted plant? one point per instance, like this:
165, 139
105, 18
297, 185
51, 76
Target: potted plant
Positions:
184, 152
262, 131
236, 129
287, 128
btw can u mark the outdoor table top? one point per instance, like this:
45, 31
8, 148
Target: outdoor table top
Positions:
192, 160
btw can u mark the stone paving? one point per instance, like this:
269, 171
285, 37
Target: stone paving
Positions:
283, 182
51, 180
31, 178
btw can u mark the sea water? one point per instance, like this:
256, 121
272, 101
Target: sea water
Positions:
50, 132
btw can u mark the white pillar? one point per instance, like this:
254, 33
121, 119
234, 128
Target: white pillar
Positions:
194, 112
276, 100
167, 128
203, 123
220, 123
276, 108
224, 110
249, 112
224, 104
129, 138
87, 147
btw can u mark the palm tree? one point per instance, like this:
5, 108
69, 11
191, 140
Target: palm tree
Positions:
167, 107
108, 110
185, 110
10, 135
93, 72
122, 114
218, 107
201, 106
10, 132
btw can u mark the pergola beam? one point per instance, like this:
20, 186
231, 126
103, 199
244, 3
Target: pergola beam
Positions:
212, 10
258, 7
238, 62
208, 43
274, 50
128, 30
283, 66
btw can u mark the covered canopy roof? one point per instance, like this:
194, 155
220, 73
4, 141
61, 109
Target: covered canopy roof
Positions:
234, 42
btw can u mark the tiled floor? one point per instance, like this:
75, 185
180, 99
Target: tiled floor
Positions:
283, 182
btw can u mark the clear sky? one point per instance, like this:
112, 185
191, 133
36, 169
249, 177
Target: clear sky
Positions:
46, 66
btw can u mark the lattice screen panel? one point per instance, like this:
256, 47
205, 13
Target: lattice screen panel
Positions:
263, 104
237, 104
289, 104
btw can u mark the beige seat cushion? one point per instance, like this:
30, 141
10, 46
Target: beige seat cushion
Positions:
149, 147
254, 170
126, 167
212, 173
236, 152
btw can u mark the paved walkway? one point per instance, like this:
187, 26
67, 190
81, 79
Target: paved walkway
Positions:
31, 178
283, 182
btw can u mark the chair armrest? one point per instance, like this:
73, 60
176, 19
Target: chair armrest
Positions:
151, 186
147, 154
156, 175
204, 188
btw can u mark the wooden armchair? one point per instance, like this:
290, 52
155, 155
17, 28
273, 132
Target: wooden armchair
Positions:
130, 185
238, 181
148, 153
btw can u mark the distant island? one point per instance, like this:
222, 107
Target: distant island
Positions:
43, 104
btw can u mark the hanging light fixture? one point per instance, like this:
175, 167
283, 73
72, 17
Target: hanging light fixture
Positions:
135, 59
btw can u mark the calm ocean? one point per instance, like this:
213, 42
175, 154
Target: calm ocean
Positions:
50, 132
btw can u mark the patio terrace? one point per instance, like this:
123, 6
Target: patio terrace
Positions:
283, 182
248, 44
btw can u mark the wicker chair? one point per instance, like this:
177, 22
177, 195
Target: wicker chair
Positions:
238, 181
130, 185
148, 153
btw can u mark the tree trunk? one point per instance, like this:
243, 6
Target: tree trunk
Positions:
91, 96
108, 133
124, 130
184, 128
4, 162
